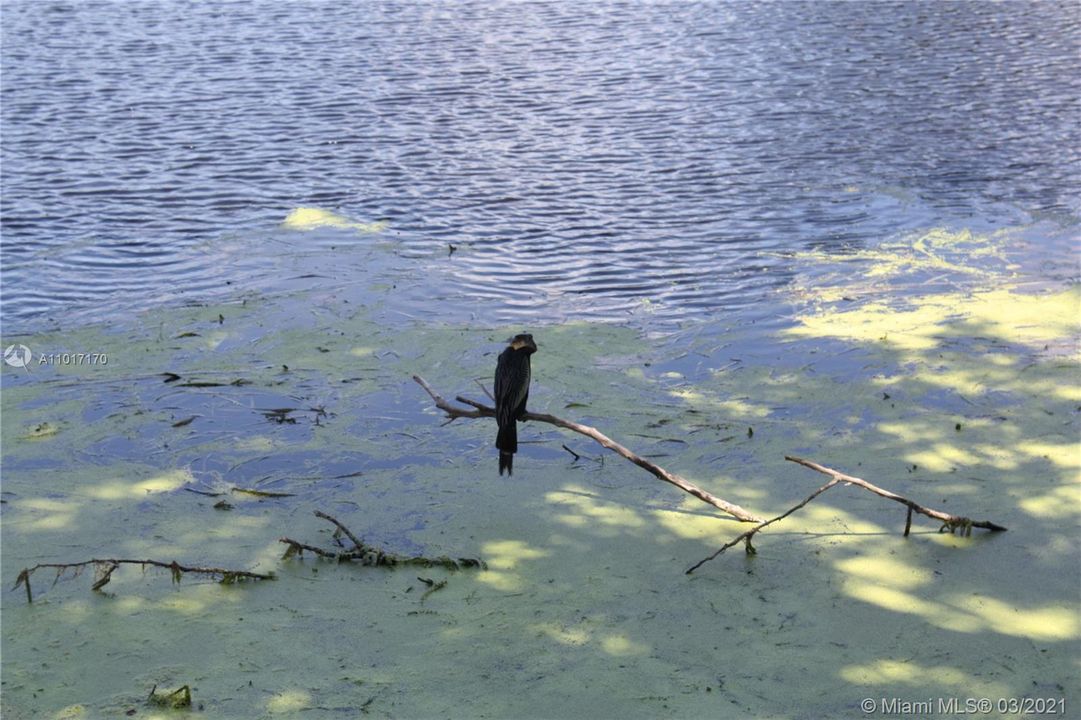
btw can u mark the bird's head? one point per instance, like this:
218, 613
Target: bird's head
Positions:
523, 342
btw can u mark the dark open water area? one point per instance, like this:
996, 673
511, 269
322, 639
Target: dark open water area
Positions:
584, 159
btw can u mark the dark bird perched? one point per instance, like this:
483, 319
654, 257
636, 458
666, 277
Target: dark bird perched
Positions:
511, 393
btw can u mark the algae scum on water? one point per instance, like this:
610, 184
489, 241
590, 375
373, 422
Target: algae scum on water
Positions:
213, 431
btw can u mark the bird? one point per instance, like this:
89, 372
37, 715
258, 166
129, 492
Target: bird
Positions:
511, 394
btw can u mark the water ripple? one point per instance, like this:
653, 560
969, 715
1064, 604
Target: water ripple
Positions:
610, 152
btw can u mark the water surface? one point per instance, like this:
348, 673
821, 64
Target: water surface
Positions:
582, 158
737, 231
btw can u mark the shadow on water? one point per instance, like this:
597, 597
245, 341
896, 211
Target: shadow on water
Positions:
963, 400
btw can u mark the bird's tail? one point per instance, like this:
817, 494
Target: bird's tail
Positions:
507, 442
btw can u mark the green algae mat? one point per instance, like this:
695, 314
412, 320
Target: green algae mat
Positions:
213, 431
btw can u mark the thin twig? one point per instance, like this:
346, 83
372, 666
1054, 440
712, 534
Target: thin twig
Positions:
484, 389
451, 411
296, 548
746, 537
348, 533
433, 586
482, 410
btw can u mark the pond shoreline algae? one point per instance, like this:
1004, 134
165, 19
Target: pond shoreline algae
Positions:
967, 400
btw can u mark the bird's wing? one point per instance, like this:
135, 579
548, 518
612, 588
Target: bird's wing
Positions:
511, 384
502, 386
518, 385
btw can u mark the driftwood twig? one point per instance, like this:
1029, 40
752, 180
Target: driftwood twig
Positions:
371, 555
103, 571
480, 410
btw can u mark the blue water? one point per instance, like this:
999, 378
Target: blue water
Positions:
582, 157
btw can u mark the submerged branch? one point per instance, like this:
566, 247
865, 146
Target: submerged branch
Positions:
371, 555
950, 523
481, 410
103, 571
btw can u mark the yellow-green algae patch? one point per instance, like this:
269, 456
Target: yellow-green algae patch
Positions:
968, 401
114, 483
310, 218
909, 262
928, 322
584, 610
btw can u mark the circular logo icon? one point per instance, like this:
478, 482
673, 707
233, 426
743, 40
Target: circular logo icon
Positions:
17, 356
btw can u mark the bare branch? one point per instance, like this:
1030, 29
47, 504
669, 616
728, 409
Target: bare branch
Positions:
950, 523
746, 537
356, 542
484, 389
104, 570
683, 484
451, 411
373, 556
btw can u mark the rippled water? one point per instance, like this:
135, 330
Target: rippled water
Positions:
581, 157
